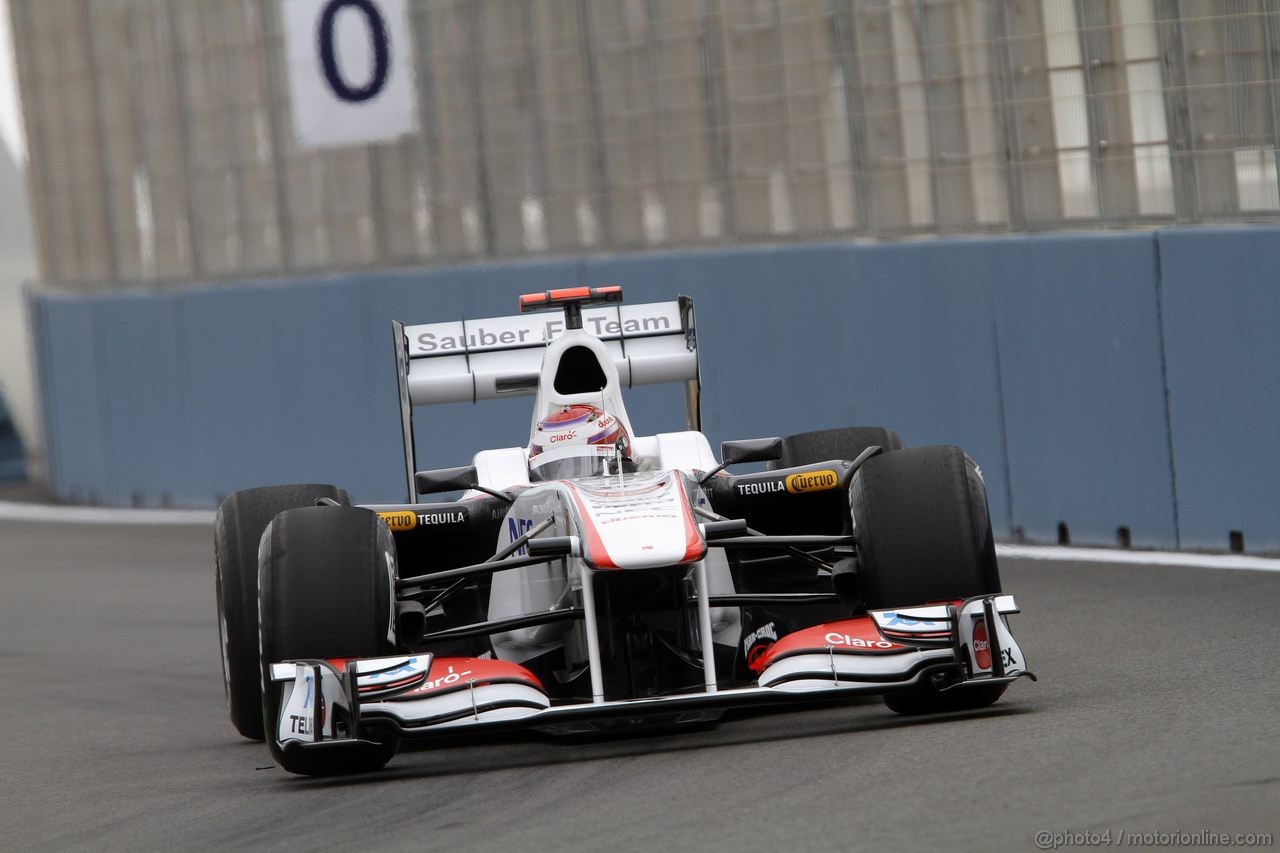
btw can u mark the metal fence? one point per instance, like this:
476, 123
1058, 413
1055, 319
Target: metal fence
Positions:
161, 146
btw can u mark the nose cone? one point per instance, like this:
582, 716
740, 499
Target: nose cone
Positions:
645, 523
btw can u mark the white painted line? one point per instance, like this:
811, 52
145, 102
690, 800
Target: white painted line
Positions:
101, 515
1142, 558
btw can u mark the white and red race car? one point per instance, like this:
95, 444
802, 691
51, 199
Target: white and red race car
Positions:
598, 578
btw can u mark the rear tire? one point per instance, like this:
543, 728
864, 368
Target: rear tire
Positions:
237, 531
326, 590
924, 535
822, 445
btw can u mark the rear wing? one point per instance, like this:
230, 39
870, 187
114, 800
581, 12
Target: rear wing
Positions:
495, 357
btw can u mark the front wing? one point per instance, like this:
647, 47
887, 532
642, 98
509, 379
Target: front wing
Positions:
954, 646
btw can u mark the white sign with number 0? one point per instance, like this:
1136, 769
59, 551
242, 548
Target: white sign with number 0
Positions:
350, 70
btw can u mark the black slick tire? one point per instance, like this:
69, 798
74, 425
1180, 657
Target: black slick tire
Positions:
237, 531
923, 531
326, 590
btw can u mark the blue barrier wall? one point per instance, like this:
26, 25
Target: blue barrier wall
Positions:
1080, 367
1221, 311
1047, 357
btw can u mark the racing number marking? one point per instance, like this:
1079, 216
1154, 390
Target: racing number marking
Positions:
329, 54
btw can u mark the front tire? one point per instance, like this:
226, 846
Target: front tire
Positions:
326, 590
236, 534
923, 531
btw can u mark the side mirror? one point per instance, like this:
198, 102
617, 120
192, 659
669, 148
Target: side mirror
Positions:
445, 479
745, 450
454, 480
751, 450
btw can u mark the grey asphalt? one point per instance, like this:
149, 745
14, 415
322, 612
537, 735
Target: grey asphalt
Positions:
1156, 712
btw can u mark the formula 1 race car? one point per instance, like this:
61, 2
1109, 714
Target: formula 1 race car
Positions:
596, 578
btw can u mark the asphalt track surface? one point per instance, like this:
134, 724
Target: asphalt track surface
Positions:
1156, 712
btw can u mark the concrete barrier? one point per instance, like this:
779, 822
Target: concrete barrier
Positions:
1049, 358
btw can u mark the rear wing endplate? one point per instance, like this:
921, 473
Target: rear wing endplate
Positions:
495, 357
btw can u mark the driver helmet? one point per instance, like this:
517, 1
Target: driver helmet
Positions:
573, 440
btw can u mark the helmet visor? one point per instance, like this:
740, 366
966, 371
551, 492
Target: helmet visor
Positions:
570, 463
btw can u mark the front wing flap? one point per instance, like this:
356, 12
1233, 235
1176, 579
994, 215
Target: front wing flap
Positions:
976, 630
321, 699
